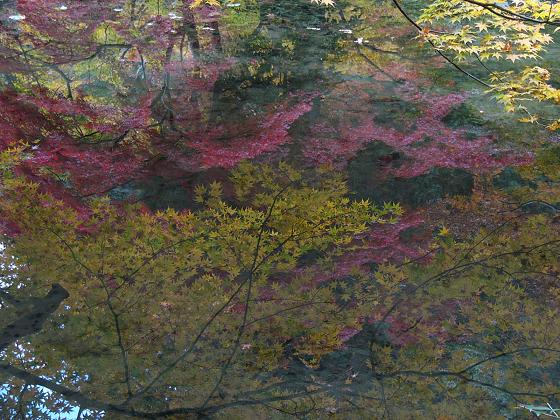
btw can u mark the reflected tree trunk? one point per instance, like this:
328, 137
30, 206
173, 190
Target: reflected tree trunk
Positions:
33, 314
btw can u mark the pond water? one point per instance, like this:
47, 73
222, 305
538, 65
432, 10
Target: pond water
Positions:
135, 285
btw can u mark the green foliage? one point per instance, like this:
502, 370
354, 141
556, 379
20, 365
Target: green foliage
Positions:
547, 162
199, 312
490, 32
178, 306
487, 309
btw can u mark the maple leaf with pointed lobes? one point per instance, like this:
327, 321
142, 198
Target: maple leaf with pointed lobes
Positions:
443, 231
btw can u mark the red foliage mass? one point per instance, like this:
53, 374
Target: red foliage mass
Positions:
92, 170
411, 322
71, 26
18, 120
427, 142
95, 168
268, 135
380, 244
48, 121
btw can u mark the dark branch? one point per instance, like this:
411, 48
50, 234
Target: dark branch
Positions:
32, 321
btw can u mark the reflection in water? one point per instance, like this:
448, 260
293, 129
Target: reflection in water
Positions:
200, 219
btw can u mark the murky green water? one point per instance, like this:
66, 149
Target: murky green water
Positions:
143, 101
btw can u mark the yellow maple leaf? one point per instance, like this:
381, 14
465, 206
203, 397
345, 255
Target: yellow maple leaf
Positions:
443, 231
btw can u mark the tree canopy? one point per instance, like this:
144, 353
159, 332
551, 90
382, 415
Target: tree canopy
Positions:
273, 209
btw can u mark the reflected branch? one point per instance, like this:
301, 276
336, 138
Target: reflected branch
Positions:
32, 320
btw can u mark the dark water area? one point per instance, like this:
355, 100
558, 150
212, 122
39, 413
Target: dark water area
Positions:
130, 287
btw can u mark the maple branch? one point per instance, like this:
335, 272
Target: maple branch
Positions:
94, 404
98, 51
384, 398
69, 394
114, 140
20, 411
552, 207
455, 268
440, 53
249, 278
460, 375
371, 63
124, 356
188, 350
504, 354
513, 15
302, 305
485, 237
27, 59
421, 257
74, 256
252, 272
64, 77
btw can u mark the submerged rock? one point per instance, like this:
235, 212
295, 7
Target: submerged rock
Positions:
509, 179
368, 179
